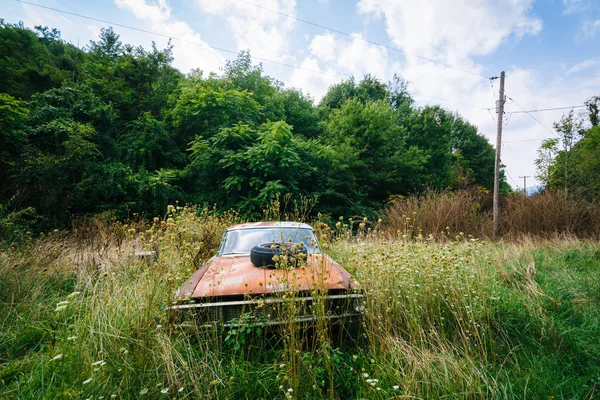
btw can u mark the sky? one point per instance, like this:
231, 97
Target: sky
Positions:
445, 50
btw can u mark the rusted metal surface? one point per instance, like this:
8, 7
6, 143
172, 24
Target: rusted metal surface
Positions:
234, 275
186, 290
228, 276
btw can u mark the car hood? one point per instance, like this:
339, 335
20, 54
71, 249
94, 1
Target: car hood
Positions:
236, 275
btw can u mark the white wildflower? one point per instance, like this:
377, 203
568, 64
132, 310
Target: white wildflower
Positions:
73, 295
59, 308
87, 381
99, 362
57, 357
396, 387
165, 390
62, 303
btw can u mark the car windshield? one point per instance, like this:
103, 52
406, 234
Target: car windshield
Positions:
241, 241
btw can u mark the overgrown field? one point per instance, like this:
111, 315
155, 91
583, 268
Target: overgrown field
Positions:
82, 318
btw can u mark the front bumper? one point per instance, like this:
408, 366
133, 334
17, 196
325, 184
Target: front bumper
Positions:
270, 311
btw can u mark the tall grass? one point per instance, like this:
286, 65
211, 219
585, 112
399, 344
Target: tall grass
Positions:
81, 317
550, 214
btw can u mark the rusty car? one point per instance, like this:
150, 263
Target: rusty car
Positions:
267, 270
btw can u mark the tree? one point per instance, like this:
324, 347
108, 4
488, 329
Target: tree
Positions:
13, 140
32, 63
371, 158
473, 156
245, 168
368, 89
430, 129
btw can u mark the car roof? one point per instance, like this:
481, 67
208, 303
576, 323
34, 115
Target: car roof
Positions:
270, 224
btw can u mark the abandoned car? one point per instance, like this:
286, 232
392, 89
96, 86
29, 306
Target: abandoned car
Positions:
266, 271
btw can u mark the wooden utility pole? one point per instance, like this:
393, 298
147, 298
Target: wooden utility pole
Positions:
525, 183
500, 120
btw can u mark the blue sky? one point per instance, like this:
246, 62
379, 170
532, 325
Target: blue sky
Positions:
548, 48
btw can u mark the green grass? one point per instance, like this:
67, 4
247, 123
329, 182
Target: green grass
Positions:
461, 319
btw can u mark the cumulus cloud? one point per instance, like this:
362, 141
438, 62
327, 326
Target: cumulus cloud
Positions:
440, 28
264, 32
192, 52
341, 57
313, 83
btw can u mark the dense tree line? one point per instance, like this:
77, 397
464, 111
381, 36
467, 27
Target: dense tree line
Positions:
571, 161
116, 127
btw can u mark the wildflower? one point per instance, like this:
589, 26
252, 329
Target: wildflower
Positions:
59, 308
290, 390
366, 375
395, 387
170, 208
87, 381
143, 391
57, 357
180, 389
158, 326
165, 390
62, 303
73, 295
99, 362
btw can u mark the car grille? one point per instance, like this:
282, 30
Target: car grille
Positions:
276, 310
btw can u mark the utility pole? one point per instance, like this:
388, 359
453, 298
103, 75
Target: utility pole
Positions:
500, 120
525, 183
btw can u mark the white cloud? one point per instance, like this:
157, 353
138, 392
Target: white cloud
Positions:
449, 29
574, 6
191, 53
582, 66
314, 83
590, 28
323, 47
264, 32
343, 57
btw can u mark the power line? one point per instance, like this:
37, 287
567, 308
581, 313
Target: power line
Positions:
542, 109
217, 48
534, 118
511, 178
525, 140
449, 101
363, 39
179, 39
547, 109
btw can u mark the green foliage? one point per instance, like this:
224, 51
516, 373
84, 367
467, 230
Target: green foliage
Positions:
246, 168
472, 156
116, 127
571, 161
35, 61
371, 159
